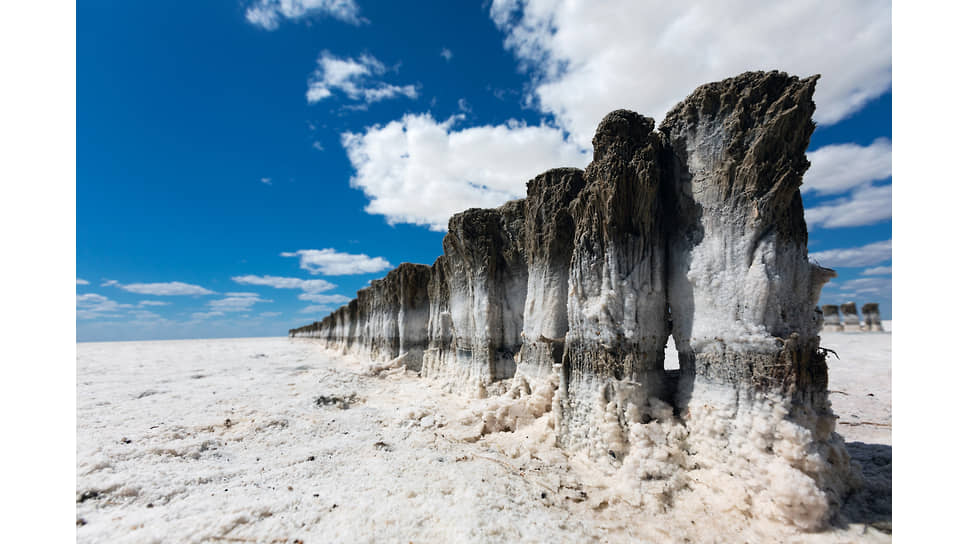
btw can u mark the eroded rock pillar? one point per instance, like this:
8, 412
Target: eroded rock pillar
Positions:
486, 277
851, 320
831, 318
743, 294
549, 233
617, 308
872, 317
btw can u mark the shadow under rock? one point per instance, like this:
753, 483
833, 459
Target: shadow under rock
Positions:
871, 504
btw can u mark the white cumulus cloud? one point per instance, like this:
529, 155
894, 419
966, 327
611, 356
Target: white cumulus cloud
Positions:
839, 168
309, 286
82, 282
329, 262
589, 58
266, 13
417, 170
355, 78
867, 255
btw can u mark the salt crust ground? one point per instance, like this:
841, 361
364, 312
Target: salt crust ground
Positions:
274, 440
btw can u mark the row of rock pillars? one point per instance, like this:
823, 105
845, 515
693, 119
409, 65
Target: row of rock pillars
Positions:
694, 230
832, 322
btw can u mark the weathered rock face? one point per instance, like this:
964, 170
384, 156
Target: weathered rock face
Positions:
831, 318
851, 321
617, 308
485, 272
549, 232
739, 276
872, 317
695, 230
441, 352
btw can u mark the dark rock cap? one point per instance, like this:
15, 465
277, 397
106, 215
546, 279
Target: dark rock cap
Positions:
621, 130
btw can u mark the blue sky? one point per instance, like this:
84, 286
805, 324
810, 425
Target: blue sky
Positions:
243, 167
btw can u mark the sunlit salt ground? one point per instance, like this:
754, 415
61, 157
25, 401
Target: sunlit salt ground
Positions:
274, 440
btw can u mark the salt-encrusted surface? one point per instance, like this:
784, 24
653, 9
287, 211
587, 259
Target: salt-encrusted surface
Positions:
277, 440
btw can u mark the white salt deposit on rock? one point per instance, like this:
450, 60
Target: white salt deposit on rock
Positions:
617, 308
753, 385
485, 274
851, 320
549, 241
831, 318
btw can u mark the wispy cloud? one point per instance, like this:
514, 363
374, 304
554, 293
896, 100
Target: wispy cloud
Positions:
95, 306
198, 316
447, 54
877, 271
153, 303
170, 288
870, 287
329, 262
839, 168
309, 286
267, 181
855, 257
267, 13
355, 78
141, 317
235, 302
324, 299
82, 282
865, 206
316, 309
270, 314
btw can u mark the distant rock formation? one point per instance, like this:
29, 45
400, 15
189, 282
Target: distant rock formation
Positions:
694, 230
386, 320
851, 321
831, 318
872, 317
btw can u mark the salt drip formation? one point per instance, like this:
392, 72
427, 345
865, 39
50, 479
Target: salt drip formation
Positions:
693, 230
